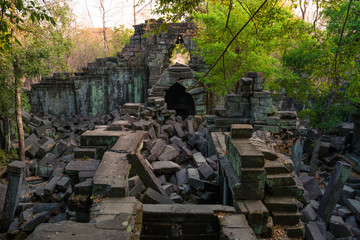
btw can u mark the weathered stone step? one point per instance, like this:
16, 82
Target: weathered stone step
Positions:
285, 204
285, 191
297, 231
275, 167
278, 180
85, 152
286, 218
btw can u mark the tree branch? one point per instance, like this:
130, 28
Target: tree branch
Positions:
339, 45
232, 40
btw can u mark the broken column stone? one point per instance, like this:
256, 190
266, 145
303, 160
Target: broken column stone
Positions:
15, 179
333, 190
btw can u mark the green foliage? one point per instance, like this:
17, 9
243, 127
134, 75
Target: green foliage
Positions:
257, 48
5, 158
119, 39
180, 49
14, 16
325, 70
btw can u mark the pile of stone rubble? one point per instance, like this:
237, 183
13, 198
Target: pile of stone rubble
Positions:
59, 173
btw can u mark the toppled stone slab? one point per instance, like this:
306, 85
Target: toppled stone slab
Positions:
75, 166
129, 143
165, 167
111, 177
120, 125
145, 173
198, 159
182, 213
153, 197
100, 137
70, 229
168, 154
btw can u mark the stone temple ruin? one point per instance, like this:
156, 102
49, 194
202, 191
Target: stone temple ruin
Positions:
103, 165
112, 81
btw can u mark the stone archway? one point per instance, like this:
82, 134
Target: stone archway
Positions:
180, 79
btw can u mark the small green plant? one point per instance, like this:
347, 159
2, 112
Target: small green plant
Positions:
5, 158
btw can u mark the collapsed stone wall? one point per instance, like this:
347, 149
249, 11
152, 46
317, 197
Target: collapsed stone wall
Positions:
251, 105
112, 81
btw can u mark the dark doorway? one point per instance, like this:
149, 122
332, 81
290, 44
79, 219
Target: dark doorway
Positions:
178, 99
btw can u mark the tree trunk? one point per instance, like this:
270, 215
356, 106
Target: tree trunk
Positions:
7, 141
19, 121
5, 134
314, 156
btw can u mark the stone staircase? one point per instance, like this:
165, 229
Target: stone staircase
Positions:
263, 190
281, 193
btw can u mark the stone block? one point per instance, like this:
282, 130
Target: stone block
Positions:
129, 143
253, 190
31, 145
145, 173
272, 121
47, 165
153, 197
312, 232
84, 188
246, 81
263, 110
46, 147
193, 173
63, 183
198, 159
233, 98
263, 94
287, 114
203, 185
253, 174
49, 188
85, 153
308, 214
165, 167
169, 154
241, 131
158, 147
272, 129
181, 176
35, 221
258, 87
338, 228
60, 148
206, 171
75, 166
310, 184
111, 177
255, 101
